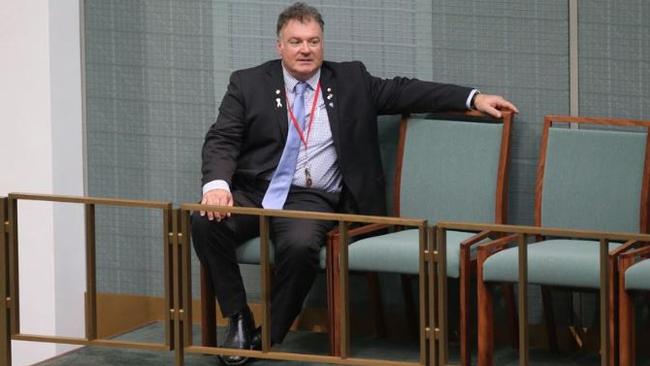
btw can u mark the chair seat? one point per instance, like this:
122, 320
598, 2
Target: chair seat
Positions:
637, 277
249, 253
398, 252
557, 262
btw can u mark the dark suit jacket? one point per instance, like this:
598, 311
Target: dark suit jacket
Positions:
247, 140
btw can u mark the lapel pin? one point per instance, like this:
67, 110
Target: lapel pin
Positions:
277, 91
329, 96
279, 102
331, 104
329, 90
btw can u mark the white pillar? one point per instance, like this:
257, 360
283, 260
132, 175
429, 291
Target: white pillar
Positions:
41, 151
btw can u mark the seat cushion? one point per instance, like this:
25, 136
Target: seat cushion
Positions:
249, 253
637, 277
558, 262
398, 252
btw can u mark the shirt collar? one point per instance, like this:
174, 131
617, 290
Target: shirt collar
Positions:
290, 82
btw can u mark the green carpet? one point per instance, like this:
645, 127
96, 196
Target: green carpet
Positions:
304, 342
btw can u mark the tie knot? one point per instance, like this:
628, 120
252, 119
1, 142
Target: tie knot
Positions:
300, 88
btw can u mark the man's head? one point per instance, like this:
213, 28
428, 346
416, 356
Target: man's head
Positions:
300, 40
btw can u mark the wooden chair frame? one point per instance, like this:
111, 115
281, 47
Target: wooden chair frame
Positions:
518, 235
466, 262
626, 313
608, 346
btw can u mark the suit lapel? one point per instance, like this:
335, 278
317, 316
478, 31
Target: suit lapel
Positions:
329, 94
277, 93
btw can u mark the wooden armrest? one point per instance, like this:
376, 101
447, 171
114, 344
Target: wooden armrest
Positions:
623, 248
475, 239
334, 234
643, 251
497, 245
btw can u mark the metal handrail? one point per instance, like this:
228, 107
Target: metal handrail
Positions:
9, 284
266, 353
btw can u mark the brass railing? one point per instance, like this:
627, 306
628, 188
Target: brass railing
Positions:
5, 295
433, 343
9, 319
344, 358
177, 272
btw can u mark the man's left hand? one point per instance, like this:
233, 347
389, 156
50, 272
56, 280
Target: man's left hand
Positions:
493, 104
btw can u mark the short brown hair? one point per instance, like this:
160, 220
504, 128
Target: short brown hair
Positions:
301, 12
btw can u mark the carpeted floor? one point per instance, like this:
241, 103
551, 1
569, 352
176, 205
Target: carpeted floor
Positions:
362, 347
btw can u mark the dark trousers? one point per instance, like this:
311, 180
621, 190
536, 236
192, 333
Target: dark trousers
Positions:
297, 245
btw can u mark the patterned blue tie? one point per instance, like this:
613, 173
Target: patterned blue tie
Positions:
276, 194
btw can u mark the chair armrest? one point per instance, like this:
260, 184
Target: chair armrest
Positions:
475, 239
643, 251
623, 248
334, 234
497, 245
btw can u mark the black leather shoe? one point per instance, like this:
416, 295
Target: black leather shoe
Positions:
241, 327
256, 341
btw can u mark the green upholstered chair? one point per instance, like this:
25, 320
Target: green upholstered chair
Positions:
633, 278
588, 178
450, 167
249, 252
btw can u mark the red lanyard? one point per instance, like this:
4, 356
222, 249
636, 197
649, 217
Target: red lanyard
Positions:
311, 118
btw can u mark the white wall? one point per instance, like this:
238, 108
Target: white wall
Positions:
41, 151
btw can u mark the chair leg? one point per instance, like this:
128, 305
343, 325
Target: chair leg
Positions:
333, 288
377, 305
208, 311
409, 306
485, 316
513, 317
626, 338
464, 289
612, 332
549, 319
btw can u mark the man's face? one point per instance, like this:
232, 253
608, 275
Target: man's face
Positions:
300, 46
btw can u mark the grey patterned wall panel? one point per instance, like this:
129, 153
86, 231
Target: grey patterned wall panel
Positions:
157, 69
514, 48
150, 99
614, 64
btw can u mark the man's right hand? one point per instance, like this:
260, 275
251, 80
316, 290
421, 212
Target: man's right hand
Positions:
217, 197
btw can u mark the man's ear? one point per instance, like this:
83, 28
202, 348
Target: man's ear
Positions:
278, 47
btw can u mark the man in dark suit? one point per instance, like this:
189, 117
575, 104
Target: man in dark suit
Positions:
299, 133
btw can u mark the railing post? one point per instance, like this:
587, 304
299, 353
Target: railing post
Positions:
168, 259
432, 284
185, 286
91, 280
441, 240
424, 261
344, 287
265, 269
12, 244
523, 300
604, 306
179, 316
5, 331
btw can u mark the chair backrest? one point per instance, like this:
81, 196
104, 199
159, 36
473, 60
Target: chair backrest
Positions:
388, 134
453, 167
593, 179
